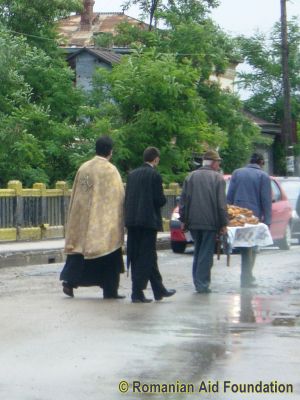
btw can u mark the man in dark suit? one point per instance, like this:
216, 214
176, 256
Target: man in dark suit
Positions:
144, 198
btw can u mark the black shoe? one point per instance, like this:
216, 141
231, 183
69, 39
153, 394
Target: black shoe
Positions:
140, 299
116, 296
144, 300
165, 293
68, 289
203, 290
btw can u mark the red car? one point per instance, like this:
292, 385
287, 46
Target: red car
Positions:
291, 186
280, 227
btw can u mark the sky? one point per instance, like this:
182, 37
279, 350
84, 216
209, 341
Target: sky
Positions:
234, 16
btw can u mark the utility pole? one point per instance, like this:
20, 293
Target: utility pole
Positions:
287, 114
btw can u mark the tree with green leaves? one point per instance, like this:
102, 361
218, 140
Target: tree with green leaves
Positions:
36, 19
175, 12
191, 41
131, 36
154, 101
172, 12
39, 108
226, 110
159, 95
148, 9
264, 80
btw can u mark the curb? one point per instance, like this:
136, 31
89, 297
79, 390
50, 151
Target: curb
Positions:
42, 252
32, 257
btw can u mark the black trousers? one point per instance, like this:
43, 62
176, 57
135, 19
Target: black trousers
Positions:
103, 271
142, 256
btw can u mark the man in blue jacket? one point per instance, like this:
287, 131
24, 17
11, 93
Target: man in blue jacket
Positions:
250, 187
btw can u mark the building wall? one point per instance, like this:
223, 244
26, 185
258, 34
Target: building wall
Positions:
85, 67
226, 80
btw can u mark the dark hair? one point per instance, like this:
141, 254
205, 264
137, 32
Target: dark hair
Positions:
257, 158
150, 154
104, 145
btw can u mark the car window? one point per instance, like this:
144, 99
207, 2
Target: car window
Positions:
227, 180
292, 189
276, 193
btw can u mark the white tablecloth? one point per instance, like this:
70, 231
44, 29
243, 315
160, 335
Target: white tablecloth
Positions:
249, 235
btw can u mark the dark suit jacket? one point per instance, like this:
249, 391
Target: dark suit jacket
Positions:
144, 198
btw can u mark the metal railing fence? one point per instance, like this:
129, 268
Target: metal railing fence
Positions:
39, 206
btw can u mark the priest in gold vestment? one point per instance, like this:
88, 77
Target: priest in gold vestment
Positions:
95, 226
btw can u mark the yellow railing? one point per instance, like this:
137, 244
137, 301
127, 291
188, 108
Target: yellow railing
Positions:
40, 213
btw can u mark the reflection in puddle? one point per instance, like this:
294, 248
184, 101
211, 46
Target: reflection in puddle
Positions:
246, 308
249, 308
284, 319
240, 329
253, 309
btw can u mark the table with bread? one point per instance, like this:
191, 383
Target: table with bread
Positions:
245, 229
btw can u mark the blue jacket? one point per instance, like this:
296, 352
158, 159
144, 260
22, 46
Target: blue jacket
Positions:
250, 187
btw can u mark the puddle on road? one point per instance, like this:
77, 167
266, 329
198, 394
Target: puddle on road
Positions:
241, 329
41, 271
284, 321
192, 333
249, 310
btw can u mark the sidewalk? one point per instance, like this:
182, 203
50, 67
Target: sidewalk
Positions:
13, 254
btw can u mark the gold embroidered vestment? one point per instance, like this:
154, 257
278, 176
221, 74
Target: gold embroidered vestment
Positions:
95, 225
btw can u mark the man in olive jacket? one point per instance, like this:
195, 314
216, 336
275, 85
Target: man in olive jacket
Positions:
203, 211
144, 198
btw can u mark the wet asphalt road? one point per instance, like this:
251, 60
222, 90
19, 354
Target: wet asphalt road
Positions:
58, 348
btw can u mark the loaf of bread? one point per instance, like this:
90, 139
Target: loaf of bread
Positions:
239, 216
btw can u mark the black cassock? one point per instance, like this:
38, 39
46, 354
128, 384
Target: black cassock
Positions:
102, 271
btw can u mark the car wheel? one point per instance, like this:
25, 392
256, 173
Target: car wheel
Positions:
178, 247
285, 243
